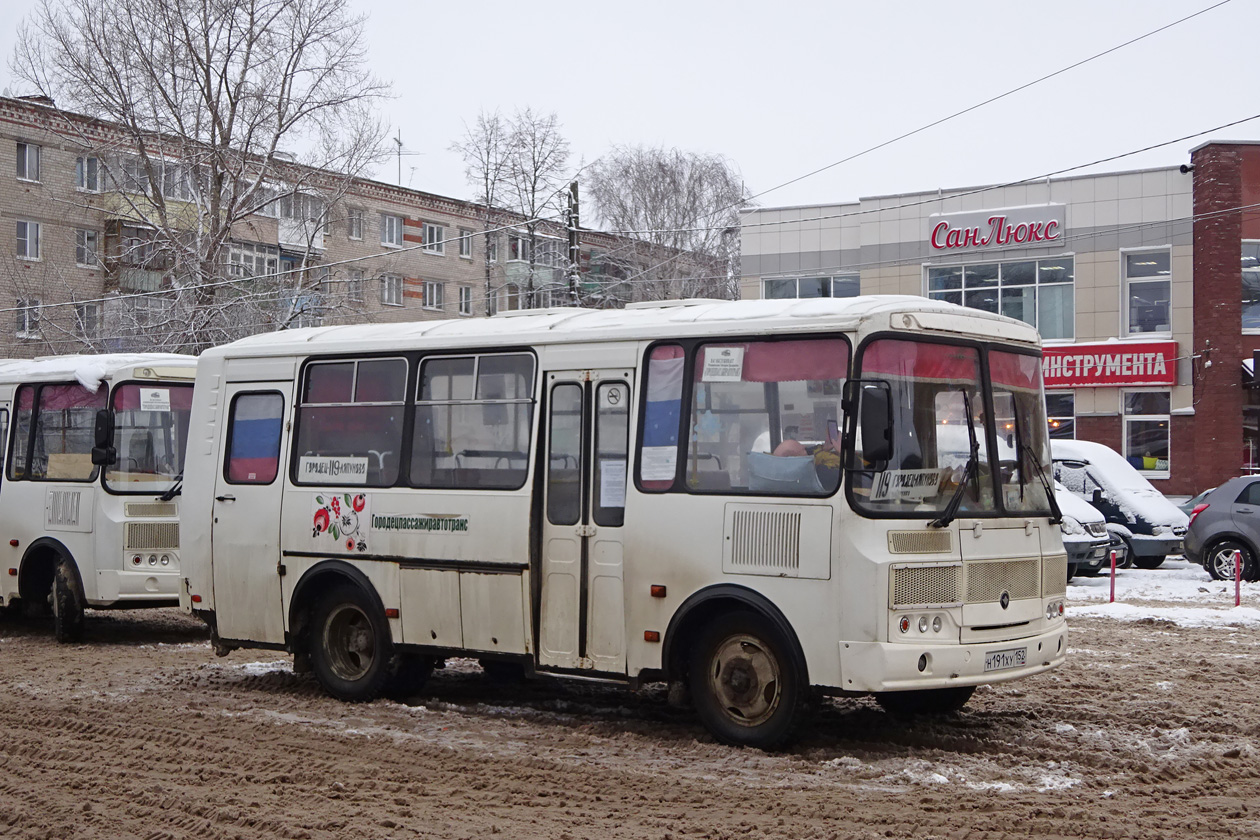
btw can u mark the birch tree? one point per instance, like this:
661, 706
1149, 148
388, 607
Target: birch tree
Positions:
215, 115
678, 215
539, 155
486, 150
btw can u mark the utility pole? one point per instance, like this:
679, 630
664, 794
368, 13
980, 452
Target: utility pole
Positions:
398, 140
575, 251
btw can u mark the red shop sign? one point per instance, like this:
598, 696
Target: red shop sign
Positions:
1110, 363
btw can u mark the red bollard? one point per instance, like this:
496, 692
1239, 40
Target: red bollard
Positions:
1237, 578
1113, 577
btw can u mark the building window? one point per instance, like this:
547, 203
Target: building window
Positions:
465, 243
391, 290
1061, 413
148, 310
433, 294
841, 286
492, 248
27, 162
176, 185
354, 223
250, 260
302, 310
87, 318
465, 300
391, 230
1148, 290
518, 247
1038, 292
28, 312
28, 240
433, 238
1251, 285
85, 247
87, 174
354, 285
1146, 431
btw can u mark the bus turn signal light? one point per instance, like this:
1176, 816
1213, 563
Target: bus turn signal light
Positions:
651, 635
658, 591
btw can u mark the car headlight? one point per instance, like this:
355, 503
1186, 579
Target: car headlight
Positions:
1163, 530
1071, 526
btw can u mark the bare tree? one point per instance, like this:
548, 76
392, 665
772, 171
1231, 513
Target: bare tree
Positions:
678, 214
214, 115
486, 150
539, 155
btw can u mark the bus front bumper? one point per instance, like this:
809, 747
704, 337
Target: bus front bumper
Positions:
880, 666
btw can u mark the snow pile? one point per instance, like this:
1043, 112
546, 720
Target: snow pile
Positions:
1196, 600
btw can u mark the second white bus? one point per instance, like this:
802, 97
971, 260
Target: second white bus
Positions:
756, 501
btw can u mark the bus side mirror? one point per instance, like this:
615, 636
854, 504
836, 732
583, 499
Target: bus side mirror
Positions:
1097, 500
877, 421
103, 452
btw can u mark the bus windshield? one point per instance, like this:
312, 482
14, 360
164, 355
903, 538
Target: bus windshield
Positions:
950, 437
150, 430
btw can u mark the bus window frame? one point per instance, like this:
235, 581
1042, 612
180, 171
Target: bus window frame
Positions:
109, 403
982, 349
690, 346
98, 474
226, 457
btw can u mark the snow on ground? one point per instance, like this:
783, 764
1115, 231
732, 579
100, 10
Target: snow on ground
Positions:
1179, 592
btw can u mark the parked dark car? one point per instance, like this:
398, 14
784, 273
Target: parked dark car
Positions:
1150, 526
1226, 521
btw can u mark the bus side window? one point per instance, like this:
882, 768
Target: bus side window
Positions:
353, 410
253, 452
658, 455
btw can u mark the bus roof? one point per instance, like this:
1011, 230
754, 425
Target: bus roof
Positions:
640, 321
88, 370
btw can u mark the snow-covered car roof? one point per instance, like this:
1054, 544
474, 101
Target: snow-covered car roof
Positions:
1074, 506
1134, 493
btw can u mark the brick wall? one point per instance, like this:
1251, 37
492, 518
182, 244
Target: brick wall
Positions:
1214, 442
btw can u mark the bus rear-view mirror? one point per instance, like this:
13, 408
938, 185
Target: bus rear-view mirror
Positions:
876, 419
103, 452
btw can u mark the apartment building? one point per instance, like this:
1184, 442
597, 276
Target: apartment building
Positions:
92, 268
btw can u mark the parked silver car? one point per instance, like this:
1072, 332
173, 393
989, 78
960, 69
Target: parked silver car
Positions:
1226, 521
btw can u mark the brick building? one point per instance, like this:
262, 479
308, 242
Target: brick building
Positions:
83, 272
1145, 286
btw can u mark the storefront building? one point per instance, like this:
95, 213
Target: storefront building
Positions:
1144, 285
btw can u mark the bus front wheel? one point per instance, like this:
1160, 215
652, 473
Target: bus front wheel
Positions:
67, 605
351, 652
744, 683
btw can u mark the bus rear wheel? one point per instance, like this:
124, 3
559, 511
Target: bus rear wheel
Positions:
350, 648
67, 605
930, 701
744, 683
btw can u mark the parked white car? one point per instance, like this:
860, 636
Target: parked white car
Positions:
1085, 534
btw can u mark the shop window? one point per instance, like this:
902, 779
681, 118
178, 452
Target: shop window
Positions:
1037, 292
474, 419
64, 418
1147, 425
253, 452
1148, 290
839, 286
1251, 285
350, 422
1061, 414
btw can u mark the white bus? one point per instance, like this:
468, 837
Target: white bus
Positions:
94, 448
639, 495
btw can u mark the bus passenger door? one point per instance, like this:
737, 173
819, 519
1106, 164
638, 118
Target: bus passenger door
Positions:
582, 613
245, 534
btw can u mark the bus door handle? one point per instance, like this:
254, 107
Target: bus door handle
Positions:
226, 497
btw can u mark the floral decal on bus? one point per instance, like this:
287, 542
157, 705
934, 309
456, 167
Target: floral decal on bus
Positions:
342, 520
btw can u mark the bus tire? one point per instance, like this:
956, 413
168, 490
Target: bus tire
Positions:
350, 648
67, 605
744, 682
931, 701
411, 674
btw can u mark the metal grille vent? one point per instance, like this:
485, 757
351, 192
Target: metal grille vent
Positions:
151, 509
919, 542
764, 539
152, 535
1021, 578
923, 585
63, 507
1054, 575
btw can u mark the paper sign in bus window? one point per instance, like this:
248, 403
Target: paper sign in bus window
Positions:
906, 485
155, 399
723, 364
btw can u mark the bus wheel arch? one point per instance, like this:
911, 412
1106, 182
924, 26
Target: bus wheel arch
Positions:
38, 572
338, 626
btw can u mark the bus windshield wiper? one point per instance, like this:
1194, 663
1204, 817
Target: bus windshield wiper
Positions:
1022, 447
951, 509
176, 489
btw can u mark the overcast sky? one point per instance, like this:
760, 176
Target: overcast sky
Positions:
784, 89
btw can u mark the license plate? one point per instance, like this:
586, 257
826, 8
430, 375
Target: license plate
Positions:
1000, 660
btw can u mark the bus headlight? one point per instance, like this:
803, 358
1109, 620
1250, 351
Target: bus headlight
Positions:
165, 560
936, 624
923, 623
1054, 610
152, 559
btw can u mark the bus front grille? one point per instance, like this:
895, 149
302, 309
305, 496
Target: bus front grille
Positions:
919, 542
152, 535
151, 509
986, 581
926, 585
1054, 575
